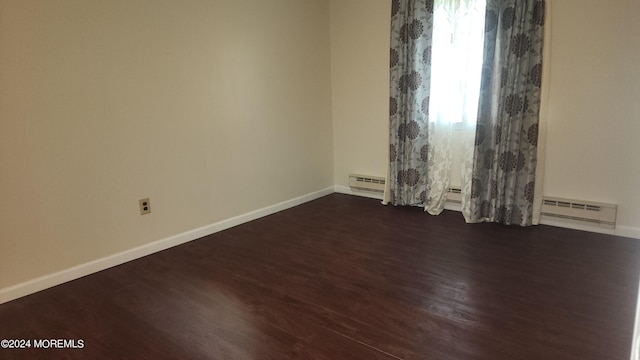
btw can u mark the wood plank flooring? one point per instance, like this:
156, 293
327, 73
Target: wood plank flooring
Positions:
344, 277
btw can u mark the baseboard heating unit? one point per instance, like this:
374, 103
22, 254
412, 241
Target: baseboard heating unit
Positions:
454, 195
366, 183
581, 212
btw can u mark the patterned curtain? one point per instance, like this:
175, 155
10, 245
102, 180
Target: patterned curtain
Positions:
504, 163
410, 78
456, 65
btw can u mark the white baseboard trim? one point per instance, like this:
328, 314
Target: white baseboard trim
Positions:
47, 281
635, 342
625, 231
368, 194
628, 231
453, 206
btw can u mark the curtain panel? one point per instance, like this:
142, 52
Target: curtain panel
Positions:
456, 67
506, 141
410, 80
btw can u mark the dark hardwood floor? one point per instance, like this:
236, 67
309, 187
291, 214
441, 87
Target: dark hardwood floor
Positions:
346, 278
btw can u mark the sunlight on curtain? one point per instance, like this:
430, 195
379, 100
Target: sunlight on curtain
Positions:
456, 64
456, 68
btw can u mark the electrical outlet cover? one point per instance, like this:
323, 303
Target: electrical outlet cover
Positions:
145, 206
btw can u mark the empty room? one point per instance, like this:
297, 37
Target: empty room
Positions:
319, 179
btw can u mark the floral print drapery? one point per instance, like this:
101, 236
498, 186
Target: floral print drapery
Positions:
504, 155
504, 165
410, 78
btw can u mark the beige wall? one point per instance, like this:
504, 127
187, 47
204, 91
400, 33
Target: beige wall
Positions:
593, 147
593, 134
360, 86
211, 108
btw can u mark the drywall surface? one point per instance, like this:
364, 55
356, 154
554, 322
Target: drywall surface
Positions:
360, 86
594, 113
210, 108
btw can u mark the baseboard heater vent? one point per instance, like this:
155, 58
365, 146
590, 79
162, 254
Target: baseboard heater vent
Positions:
454, 195
366, 182
585, 212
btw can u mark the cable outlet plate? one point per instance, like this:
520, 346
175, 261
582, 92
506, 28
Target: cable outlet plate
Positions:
145, 206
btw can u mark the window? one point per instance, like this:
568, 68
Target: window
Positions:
456, 60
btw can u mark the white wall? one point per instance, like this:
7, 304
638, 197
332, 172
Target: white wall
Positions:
211, 108
594, 114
